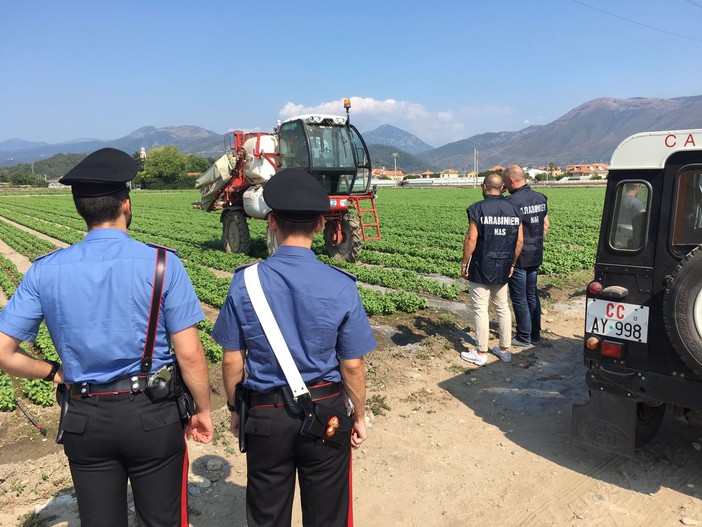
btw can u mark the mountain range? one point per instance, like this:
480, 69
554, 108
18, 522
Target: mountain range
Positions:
589, 133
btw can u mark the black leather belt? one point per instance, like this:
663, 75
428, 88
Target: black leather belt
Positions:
324, 390
134, 384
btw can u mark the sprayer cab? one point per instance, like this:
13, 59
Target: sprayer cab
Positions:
330, 148
327, 146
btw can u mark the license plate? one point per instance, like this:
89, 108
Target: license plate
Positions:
617, 319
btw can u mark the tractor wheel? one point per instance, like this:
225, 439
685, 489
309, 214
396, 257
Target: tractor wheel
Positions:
348, 245
682, 309
235, 232
271, 242
648, 420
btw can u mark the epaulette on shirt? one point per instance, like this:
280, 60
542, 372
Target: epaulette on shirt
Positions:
157, 246
47, 254
241, 267
351, 276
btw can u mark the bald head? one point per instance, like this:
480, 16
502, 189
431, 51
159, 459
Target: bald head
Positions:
514, 177
492, 184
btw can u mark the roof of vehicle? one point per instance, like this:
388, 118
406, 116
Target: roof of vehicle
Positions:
318, 118
651, 149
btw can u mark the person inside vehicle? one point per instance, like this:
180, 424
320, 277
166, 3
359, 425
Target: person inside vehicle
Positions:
630, 220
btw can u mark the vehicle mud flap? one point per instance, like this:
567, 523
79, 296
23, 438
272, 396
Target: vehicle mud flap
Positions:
607, 422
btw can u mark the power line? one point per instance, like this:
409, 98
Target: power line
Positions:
640, 23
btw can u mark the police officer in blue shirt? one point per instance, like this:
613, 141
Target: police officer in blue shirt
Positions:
96, 297
523, 282
323, 322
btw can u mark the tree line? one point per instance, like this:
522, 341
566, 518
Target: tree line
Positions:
165, 167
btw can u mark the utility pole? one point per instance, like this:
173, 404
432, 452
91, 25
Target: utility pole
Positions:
475, 166
394, 156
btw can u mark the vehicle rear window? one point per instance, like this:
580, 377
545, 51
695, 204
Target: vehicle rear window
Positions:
687, 211
628, 232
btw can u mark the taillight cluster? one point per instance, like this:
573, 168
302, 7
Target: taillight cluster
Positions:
606, 348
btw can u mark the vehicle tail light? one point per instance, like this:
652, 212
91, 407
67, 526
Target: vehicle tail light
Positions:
592, 343
594, 288
611, 349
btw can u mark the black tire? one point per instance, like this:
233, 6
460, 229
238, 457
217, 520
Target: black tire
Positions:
235, 232
271, 242
648, 420
682, 309
349, 246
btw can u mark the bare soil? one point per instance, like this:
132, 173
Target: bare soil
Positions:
448, 443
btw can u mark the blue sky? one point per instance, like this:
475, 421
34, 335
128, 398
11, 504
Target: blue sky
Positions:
444, 71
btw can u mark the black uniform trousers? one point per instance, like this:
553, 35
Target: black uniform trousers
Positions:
110, 439
276, 449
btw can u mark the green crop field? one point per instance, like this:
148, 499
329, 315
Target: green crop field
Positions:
419, 255
422, 237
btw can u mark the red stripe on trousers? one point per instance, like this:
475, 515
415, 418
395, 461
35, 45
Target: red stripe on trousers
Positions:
184, 492
350, 522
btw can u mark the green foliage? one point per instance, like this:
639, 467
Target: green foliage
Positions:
165, 168
420, 252
213, 351
197, 163
53, 167
45, 345
377, 404
31, 180
406, 301
376, 303
10, 277
205, 325
39, 391
7, 393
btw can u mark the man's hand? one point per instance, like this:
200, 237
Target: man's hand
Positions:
200, 427
358, 432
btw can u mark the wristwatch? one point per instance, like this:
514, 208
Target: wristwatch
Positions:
54, 368
232, 407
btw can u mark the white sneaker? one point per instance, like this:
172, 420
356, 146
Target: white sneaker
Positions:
505, 356
474, 357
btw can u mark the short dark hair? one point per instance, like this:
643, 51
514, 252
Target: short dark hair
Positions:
97, 210
290, 228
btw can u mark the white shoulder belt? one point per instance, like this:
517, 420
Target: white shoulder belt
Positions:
275, 338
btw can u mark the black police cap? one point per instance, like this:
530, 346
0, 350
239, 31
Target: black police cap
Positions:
103, 172
295, 195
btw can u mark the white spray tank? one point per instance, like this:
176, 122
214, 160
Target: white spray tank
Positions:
261, 158
260, 166
254, 205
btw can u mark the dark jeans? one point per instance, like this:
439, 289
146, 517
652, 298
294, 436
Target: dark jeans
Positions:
526, 303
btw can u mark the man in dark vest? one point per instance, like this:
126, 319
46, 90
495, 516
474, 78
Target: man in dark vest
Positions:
490, 250
522, 284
